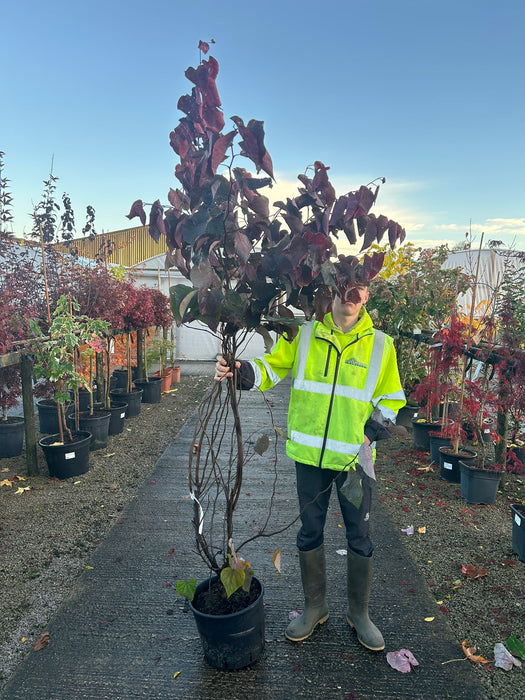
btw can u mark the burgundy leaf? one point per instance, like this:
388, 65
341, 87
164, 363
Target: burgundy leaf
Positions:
221, 145
359, 202
260, 205
338, 211
297, 250
156, 221
243, 246
252, 144
370, 234
181, 137
382, 226
349, 230
204, 47
137, 209
322, 184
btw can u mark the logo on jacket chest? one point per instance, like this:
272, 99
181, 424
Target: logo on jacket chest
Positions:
355, 363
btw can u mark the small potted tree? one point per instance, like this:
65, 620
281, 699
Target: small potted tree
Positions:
246, 272
67, 452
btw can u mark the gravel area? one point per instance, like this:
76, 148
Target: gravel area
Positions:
484, 610
48, 532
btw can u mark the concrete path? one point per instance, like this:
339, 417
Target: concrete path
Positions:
124, 633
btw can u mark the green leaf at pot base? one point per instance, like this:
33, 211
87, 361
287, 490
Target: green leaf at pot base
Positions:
187, 588
232, 579
516, 647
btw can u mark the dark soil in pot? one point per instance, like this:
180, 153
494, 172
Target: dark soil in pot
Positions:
213, 601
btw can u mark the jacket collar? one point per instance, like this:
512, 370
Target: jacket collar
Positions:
327, 330
364, 325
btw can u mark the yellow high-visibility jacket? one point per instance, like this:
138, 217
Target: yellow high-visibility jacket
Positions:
338, 379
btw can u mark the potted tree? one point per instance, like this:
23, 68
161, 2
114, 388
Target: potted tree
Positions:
246, 273
67, 452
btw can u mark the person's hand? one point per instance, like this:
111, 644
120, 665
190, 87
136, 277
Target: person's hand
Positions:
222, 371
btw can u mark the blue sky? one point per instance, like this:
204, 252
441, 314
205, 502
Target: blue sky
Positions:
427, 94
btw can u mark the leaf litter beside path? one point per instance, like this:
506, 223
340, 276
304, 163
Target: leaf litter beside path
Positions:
49, 529
463, 551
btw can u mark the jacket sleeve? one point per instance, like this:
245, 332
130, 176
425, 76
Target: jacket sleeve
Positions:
269, 369
388, 396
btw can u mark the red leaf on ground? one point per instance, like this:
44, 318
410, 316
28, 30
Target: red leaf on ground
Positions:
42, 641
470, 571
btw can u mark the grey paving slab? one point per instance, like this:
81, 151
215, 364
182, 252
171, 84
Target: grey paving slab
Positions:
124, 633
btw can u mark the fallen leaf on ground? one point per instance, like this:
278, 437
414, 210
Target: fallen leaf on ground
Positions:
6, 469
6, 482
42, 641
470, 571
402, 660
422, 530
408, 530
293, 614
504, 659
276, 560
21, 489
516, 647
470, 653
429, 619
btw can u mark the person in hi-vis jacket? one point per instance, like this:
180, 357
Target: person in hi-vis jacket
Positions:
345, 393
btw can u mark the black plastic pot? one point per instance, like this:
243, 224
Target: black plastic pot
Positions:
47, 415
437, 441
151, 389
421, 430
11, 437
118, 415
67, 459
232, 641
406, 414
96, 424
518, 529
479, 486
83, 399
120, 378
132, 398
449, 469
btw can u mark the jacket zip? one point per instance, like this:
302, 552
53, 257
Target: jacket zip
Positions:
325, 437
337, 363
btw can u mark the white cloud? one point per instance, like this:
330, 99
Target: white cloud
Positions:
399, 201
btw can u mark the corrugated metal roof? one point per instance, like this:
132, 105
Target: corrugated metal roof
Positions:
127, 247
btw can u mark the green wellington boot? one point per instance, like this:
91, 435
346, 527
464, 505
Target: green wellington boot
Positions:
358, 586
313, 577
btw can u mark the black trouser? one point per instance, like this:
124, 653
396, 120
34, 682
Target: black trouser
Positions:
314, 487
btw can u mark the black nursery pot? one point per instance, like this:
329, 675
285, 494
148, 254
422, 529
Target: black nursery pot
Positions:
406, 414
449, 468
437, 441
479, 486
47, 416
96, 424
232, 641
132, 398
11, 437
151, 389
118, 415
67, 459
421, 433
518, 529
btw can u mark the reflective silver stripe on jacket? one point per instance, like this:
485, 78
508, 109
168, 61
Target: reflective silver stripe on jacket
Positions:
273, 376
345, 448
